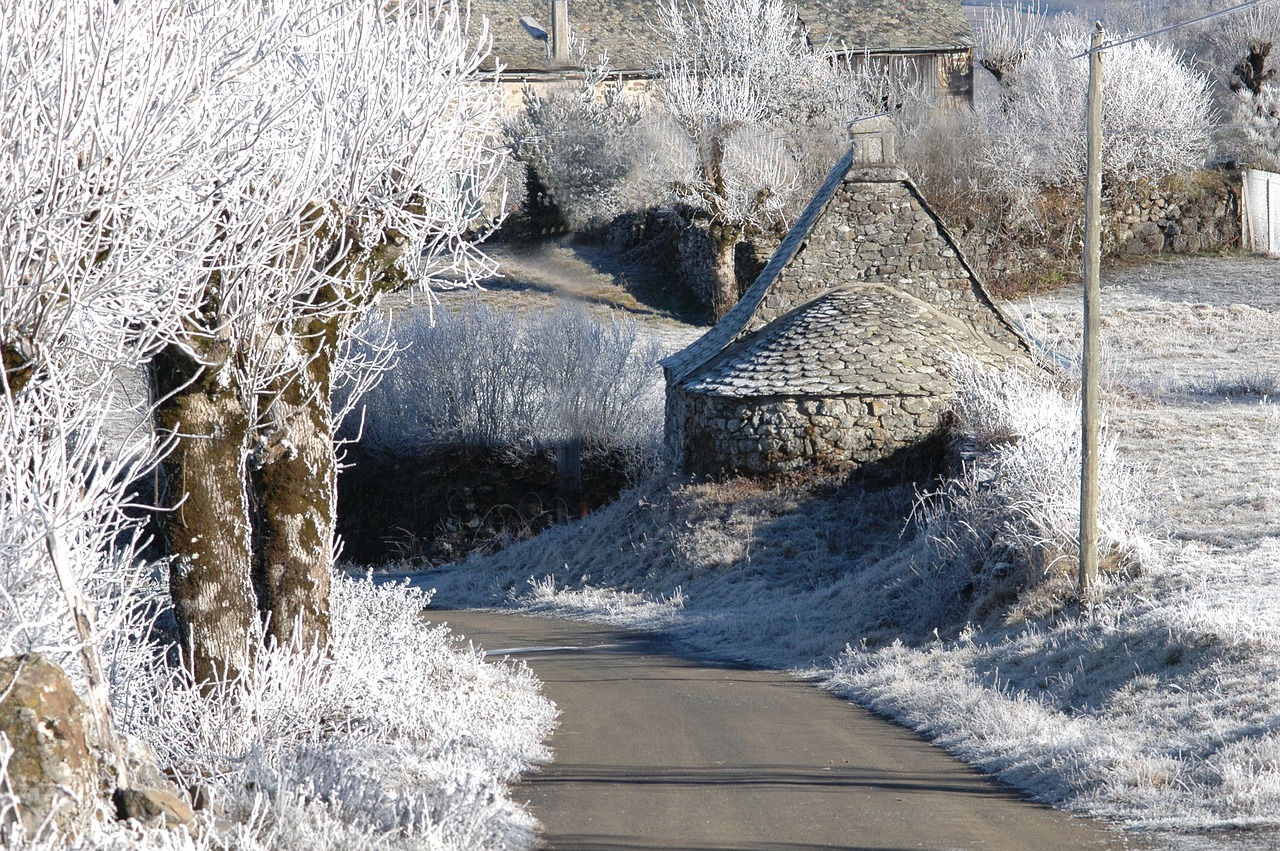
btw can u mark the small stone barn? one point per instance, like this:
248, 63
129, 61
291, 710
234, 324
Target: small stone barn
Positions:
837, 353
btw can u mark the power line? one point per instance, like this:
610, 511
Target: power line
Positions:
1178, 26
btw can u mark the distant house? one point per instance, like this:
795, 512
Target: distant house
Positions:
931, 41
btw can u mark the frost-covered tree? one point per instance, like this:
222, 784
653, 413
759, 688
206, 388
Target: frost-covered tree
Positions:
1239, 46
100, 230
101, 227
740, 77
1257, 121
1006, 34
357, 144
579, 138
219, 191
1155, 116
169, 194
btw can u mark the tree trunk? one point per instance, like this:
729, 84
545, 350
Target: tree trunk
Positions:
724, 271
207, 525
295, 479
296, 489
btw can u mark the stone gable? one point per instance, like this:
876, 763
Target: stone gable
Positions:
838, 352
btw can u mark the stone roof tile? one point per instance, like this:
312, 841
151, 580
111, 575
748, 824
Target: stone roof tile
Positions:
734, 323
864, 338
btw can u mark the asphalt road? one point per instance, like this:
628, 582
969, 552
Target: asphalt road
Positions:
656, 751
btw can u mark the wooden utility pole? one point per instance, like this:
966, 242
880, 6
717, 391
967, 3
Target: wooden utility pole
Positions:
1091, 356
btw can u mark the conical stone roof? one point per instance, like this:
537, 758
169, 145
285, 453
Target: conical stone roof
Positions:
864, 339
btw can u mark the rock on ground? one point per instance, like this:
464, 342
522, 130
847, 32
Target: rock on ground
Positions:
52, 770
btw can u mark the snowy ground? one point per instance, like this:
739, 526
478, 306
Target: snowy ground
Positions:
1155, 703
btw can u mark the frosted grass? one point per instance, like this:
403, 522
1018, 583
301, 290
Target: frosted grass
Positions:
396, 736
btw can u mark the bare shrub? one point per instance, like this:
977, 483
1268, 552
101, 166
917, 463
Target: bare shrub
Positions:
483, 377
939, 151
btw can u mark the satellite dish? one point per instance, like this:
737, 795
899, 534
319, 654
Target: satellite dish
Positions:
533, 28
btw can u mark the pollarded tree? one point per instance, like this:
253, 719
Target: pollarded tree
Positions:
362, 168
101, 233
1239, 45
739, 79
1006, 34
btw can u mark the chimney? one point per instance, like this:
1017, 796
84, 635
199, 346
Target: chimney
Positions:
560, 32
873, 141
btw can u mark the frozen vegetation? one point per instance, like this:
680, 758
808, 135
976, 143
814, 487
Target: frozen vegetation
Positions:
394, 736
1153, 702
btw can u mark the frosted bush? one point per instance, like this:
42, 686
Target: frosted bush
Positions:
497, 378
579, 138
392, 737
1257, 126
1155, 116
392, 734
1010, 518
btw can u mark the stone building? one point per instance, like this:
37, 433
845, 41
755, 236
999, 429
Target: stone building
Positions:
929, 42
838, 352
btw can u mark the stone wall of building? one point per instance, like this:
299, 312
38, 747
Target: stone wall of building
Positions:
881, 231
770, 436
837, 353
852, 377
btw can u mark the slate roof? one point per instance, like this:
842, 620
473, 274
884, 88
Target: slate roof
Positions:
864, 339
625, 28
734, 323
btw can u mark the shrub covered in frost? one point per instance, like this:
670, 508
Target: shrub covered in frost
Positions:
1257, 126
578, 137
392, 737
499, 378
1155, 116
1009, 518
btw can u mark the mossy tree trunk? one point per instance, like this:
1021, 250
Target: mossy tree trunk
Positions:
296, 479
207, 524
295, 490
253, 505
724, 270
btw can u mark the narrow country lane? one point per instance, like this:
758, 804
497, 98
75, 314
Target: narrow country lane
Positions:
655, 751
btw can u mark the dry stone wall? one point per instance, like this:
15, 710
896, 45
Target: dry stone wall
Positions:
1205, 217
878, 229
853, 377
769, 436
1201, 215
